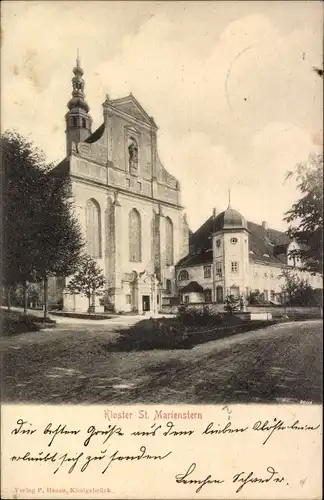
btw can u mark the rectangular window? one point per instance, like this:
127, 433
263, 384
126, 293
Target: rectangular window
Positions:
208, 296
139, 186
207, 271
234, 266
128, 299
128, 183
186, 299
219, 269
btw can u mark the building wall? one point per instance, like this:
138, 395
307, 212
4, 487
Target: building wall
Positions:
196, 273
266, 278
231, 247
251, 276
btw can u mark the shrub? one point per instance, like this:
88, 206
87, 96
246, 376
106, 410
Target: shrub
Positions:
231, 304
198, 317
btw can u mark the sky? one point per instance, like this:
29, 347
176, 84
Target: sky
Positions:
229, 84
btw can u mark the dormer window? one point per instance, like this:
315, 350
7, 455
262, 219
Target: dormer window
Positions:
183, 275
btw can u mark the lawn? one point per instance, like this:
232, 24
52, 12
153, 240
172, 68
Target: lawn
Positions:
280, 363
174, 333
14, 322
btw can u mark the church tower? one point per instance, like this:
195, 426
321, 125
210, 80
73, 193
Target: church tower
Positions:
78, 120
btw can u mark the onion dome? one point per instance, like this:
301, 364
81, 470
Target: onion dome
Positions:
78, 99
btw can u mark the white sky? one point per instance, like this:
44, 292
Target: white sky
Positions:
230, 85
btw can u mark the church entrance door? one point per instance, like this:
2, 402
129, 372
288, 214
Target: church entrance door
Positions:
146, 303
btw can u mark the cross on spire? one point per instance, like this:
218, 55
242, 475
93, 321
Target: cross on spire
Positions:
78, 59
229, 198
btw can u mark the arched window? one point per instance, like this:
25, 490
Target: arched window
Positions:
183, 275
134, 236
168, 286
83, 123
93, 228
168, 242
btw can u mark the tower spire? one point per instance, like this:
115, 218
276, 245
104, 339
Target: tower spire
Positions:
229, 198
78, 120
78, 59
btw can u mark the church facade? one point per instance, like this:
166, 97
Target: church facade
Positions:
128, 205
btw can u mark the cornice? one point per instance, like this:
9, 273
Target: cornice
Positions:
123, 114
107, 187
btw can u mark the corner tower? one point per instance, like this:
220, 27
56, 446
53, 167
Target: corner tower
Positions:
78, 121
230, 254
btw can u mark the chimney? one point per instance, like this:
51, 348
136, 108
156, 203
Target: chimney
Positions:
214, 212
265, 225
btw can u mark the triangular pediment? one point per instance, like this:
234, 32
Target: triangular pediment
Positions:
132, 107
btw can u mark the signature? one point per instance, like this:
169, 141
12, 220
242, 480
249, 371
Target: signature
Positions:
182, 479
241, 479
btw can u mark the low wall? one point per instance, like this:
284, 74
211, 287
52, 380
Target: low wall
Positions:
289, 311
196, 306
276, 312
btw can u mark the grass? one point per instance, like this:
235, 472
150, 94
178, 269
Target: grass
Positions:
72, 365
171, 333
14, 322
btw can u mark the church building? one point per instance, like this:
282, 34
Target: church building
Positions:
128, 204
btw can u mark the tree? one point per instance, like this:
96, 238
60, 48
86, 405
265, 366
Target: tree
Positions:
306, 214
23, 166
59, 241
41, 234
89, 281
296, 291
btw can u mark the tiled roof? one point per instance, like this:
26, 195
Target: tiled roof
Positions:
195, 259
265, 245
267, 242
96, 135
192, 287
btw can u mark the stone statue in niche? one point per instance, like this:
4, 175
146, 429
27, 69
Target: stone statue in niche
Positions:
133, 154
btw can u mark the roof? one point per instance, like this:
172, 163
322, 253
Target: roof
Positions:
192, 287
265, 245
229, 219
96, 135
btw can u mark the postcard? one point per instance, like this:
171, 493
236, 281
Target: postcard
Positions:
161, 265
